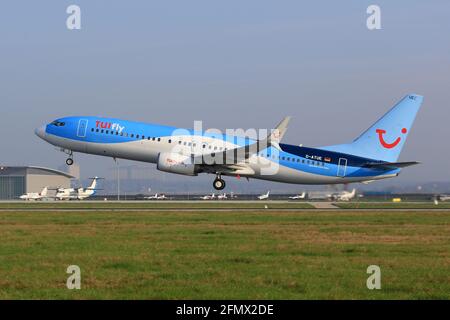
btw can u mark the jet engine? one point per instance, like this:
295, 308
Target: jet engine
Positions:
176, 163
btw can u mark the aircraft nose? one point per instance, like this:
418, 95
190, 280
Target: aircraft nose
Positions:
40, 132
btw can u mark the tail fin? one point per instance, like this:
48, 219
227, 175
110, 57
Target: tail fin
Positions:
385, 139
93, 185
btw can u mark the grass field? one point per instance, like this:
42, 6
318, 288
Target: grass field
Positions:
215, 255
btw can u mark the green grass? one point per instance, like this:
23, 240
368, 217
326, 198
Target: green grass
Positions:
215, 255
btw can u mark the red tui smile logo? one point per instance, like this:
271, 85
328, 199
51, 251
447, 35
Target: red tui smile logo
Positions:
386, 144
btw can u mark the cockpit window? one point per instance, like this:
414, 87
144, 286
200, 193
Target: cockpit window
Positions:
58, 123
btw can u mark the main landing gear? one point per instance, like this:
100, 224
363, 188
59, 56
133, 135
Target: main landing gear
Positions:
219, 183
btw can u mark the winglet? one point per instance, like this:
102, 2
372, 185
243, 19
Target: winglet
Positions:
278, 133
234, 156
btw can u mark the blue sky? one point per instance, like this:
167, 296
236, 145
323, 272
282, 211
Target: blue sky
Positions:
232, 64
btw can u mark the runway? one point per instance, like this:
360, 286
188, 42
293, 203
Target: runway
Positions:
210, 209
217, 206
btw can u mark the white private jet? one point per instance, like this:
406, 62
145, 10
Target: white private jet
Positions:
64, 193
298, 197
89, 191
222, 196
156, 197
77, 194
208, 197
346, 196
444, 197
264, 196
35, 196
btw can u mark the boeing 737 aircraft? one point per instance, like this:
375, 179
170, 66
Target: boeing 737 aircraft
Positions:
371, 156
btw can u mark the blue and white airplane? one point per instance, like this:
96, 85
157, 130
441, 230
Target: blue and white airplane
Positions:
371, 156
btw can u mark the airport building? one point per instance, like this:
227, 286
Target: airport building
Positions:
15, 181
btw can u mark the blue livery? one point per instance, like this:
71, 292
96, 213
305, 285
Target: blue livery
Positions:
371, 156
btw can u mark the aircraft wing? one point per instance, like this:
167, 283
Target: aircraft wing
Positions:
390, 165
231, 160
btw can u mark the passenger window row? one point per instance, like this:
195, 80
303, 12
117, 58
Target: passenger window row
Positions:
143, 137
125, 134
204, 146
294, 159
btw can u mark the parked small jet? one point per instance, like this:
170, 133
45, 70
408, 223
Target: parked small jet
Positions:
264, 196
65, 193
79, 193
298, 197
371, 156
345, 195
151, 197
208, 197
34, 196
444, 197
222, 196
156, 197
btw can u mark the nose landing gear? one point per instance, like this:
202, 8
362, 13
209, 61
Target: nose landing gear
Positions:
69, 160
219, 183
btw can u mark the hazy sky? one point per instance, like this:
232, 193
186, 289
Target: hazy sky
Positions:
232, 64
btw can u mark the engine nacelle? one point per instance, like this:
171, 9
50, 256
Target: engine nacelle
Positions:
176, 163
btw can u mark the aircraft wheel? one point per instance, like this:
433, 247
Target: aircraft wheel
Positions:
219, 184
69, 161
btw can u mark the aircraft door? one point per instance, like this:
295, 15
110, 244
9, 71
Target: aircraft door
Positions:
342, 167
82, 128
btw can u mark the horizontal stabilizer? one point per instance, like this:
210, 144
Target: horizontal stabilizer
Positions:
390, 165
